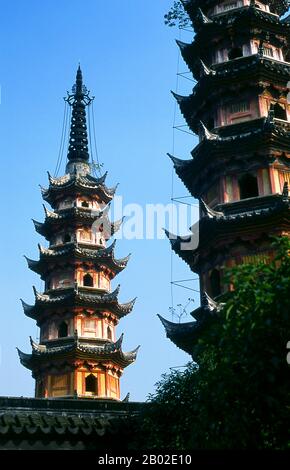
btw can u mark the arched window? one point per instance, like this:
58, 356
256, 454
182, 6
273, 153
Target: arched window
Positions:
109, 333
85, 204
62, 330
235, 53
67, 238
279, 111
248, 185
215, 283
92, 384
88, 280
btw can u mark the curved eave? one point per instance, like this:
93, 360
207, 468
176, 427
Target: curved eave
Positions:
190, 110
39, 227
111, 353
76, 216
183, 335
33, 265
184, 170
44, 302
25, 359
222, 77
208, 151
177, 242
53, 193
214, 224
28, 309
103, 256
62, 181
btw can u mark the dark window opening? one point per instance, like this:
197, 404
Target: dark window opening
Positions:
109, 333
248, 185
279, 111
92, 384
41, 389
63, 330
88, 281
67, 238
235, 53
215, 283
85, 204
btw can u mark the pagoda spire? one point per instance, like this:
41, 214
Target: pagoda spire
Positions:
79, 99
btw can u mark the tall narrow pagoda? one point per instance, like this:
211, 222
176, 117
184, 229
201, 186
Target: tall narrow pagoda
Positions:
78, 354
240, 169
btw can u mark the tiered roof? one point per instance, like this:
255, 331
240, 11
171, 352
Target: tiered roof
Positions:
77, 297
254, 71
259, 215
232, 147
229, 231
71, 252
74, 216
72, 184
77, 348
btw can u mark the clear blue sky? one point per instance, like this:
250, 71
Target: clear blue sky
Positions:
129, 61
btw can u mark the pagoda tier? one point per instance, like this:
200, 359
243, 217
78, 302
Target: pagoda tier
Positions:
249, 25
75, 348
186, 335
77, 186
212, 98
74, 218
245, 222
211, 7
261, 145
74, 254
75, 364
78, 354
80, 298
255, 72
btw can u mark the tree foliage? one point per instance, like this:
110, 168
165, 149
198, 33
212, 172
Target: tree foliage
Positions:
177, 16
238, 395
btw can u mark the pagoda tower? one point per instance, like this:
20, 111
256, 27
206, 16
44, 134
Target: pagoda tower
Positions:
78, 354
240, 169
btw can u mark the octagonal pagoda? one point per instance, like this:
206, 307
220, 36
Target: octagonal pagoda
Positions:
240, 169
79, 354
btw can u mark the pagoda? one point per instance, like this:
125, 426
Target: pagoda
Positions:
78, 355
240, 169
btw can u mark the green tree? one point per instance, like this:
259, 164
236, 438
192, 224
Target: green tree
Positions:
238, 395
177, 16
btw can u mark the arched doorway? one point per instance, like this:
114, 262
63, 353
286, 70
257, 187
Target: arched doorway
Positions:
91, 384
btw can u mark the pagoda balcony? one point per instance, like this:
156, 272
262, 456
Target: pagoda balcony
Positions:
231, 64
250, 205
282, 124
94, 341
71, 286
221, 14
93, 290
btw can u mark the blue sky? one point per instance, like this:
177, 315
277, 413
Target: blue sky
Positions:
129, 61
